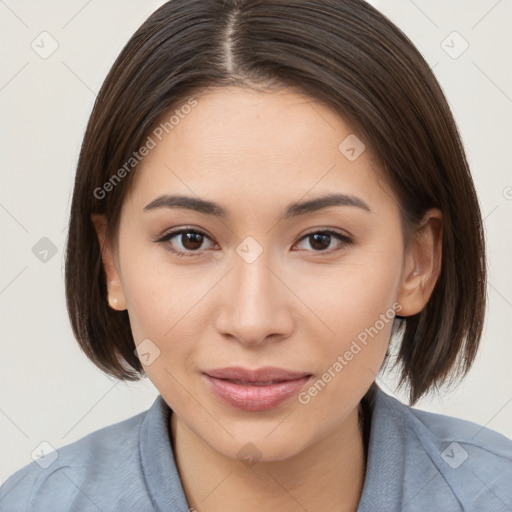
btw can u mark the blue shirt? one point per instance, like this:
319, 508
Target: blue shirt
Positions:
417, 461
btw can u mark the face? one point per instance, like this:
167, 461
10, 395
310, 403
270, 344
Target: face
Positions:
253, 283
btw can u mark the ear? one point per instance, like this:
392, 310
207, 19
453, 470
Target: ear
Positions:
116, 298
422, 264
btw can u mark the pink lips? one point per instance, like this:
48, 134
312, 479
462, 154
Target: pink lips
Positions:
255, 390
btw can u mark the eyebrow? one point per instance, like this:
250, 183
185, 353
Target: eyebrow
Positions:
293, 210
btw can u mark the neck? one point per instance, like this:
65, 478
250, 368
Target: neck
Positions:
327, 476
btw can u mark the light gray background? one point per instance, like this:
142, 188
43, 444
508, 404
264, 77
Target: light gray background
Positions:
49, 390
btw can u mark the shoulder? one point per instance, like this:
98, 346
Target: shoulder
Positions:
80, 474
472, 461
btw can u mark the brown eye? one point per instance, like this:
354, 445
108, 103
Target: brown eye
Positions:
320, 241
186, 242
191, 241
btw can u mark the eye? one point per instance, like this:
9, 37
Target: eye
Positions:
189, 241
321, 240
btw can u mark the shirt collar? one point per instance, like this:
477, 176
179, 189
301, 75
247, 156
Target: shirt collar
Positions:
157, 459
382, 489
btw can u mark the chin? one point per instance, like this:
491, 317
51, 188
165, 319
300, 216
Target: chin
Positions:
260, 447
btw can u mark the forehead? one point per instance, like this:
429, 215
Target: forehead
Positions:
249, 145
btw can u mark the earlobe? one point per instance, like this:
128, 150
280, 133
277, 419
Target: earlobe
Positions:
116, 298
422, 264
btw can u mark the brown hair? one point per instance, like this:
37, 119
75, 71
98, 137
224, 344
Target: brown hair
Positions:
343, 53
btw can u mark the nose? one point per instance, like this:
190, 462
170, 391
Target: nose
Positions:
256, 304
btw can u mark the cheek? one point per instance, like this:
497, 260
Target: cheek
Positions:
356, 303
162, 297
166, 304
350, 295
165, 308
359, 310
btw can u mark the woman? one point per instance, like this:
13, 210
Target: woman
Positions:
268, 194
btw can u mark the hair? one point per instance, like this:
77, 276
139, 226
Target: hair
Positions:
343, 53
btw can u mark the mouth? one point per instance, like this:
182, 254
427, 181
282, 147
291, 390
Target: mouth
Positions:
250, 383
255, 390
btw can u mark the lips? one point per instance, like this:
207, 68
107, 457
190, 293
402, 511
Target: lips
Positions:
267, 374
255, 390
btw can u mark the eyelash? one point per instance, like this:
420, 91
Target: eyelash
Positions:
344, 240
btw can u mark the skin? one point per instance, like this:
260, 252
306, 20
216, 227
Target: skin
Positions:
295, 307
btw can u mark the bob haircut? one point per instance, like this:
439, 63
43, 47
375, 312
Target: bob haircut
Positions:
342, 53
